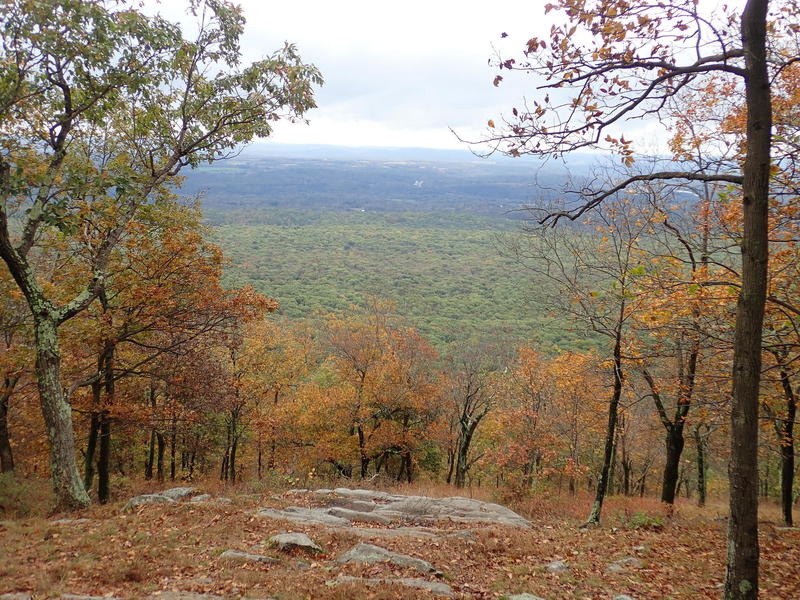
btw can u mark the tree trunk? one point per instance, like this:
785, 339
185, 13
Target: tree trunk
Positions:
700, 445
151, 456
104, 459
611, 428
57, 413
612, 467
91, 450
232, 462
259, 457
674, 446
160, 462
741, 581
172, 440
462, 455
787, 482
784, 428
6, 455
451, 463
362, 449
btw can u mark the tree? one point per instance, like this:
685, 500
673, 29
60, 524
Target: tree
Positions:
470, 398
165, 295
276, 357
596, 268
101, 107
384, 385
14, 358
627, 60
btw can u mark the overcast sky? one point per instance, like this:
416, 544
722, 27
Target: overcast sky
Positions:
403, 73
396, 73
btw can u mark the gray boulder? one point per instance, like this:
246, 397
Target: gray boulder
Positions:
622, 597
623, 564
178, 493
524, 596
146, 499
367, 553
201, 498
16, 596
434, 587
235, 556
287, 542
557, 566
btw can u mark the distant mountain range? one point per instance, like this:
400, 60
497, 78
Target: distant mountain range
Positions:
389, 180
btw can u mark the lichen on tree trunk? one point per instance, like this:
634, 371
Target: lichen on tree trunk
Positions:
57, 413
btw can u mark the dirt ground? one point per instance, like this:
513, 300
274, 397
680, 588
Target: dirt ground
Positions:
175, 547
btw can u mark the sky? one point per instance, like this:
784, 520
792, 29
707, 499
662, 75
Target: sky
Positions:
405, 74
396, 73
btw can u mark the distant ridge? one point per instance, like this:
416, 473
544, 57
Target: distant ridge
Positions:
322, 152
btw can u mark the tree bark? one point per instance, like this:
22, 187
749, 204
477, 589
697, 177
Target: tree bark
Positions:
6, 454
104, 459
611, 428
674, 450
172, 440
151, 455
57, 413
362, 449
787, 482
91, 449
700, 445
160, 461
741, 581
784, 429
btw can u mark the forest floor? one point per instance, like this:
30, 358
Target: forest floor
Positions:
165, 549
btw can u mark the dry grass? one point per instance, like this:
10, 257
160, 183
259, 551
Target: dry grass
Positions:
162, 547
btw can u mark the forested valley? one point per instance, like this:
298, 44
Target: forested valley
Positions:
383, 344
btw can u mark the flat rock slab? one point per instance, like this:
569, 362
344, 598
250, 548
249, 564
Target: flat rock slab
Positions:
358, 516
371, 532
623, 564
16, 596
235, 556
179, 493
169, 595
381, 507
305, 516
69, 522
463, 510
434, 587
286, 542
146, 499
364, 506
201, 498
367, 553
79, 597
524, 596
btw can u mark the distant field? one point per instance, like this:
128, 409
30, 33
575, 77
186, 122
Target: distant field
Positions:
449, 281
